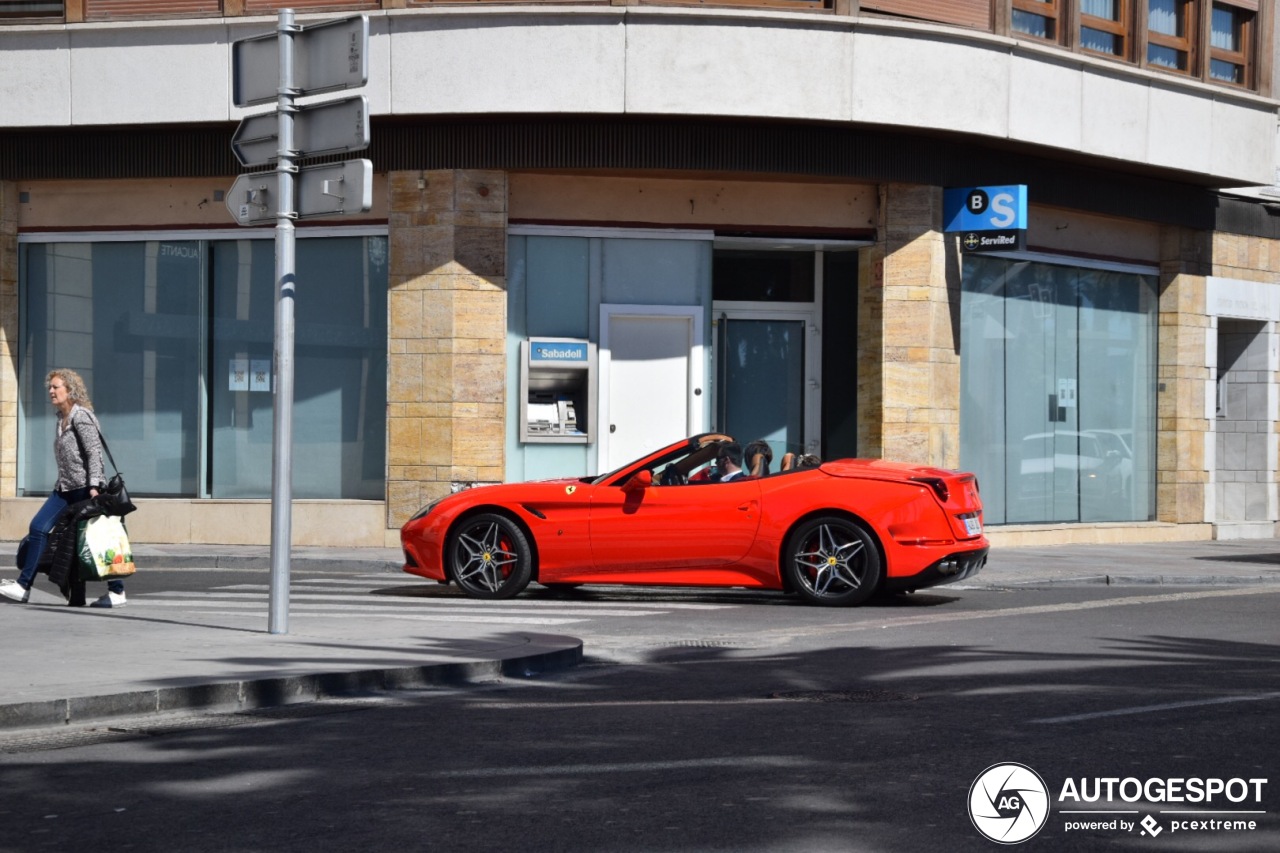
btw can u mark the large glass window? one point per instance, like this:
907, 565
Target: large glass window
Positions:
1058, 373
175, 340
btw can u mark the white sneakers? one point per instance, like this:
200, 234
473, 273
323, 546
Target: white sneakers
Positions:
110, 599
15, 591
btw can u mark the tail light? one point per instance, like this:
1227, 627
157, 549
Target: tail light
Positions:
938, 485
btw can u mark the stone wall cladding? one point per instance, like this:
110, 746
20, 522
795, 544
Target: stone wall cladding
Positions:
8, 338
1182, 474
914, 390
446, 334
1184, 491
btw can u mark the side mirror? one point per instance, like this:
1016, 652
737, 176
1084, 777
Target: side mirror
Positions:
639, 481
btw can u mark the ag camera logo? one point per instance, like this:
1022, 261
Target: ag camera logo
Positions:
1008, 803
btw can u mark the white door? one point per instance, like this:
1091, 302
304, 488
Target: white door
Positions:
651, 378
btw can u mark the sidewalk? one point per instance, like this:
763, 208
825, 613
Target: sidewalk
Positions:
80, 666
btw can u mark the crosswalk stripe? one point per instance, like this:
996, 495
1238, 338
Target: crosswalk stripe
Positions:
412, 617
316, 602
296, 590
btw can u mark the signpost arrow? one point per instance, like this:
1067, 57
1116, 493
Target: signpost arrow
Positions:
252, 198
327, 57
331, 189
334, 127
326, 189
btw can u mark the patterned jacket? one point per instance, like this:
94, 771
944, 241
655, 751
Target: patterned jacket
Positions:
78, 452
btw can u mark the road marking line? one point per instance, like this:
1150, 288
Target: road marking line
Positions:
380, 609
779, 761
1167, 706
460, 601
1036, 609
409, 617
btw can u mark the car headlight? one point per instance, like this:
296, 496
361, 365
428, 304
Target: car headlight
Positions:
426, 509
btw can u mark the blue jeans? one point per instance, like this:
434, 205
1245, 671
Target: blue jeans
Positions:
38, 535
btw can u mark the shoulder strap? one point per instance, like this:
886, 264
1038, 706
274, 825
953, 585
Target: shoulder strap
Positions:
102, 438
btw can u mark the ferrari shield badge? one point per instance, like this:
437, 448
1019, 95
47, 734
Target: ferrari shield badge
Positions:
568, 490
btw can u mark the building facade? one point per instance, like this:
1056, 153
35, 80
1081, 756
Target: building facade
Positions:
728, 216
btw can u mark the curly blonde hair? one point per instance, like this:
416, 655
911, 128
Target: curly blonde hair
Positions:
76, 391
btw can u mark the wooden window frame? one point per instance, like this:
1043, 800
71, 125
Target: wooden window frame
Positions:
1052, 10
1122, 28
1187, 44
1244, 58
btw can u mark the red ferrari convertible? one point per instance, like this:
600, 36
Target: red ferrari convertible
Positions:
834, 534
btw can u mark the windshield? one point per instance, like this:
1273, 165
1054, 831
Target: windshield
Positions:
696, 455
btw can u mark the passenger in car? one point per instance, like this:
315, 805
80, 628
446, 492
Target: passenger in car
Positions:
729, 462
793, 461
759, 455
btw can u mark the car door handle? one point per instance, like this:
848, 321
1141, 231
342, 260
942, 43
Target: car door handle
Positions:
748, 507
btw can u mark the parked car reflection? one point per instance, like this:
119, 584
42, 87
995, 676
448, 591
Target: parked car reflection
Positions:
1094, 465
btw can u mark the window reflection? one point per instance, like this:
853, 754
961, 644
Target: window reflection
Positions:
175, 339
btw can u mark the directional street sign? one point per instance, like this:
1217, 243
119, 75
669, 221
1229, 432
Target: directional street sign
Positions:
334, 188
279, 68
327, 189
252, 198
335, 127
327, 57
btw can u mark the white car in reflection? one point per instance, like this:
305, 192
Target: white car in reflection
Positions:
1095, 464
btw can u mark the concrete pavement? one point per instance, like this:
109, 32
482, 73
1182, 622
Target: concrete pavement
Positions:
79, 666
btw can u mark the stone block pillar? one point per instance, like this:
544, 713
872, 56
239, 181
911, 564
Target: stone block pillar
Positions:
446, 345
8, 339
1182, 429
909, 361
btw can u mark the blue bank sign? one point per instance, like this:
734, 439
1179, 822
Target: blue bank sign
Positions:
557, 352
989, 219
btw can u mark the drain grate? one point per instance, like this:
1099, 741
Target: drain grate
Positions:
701, 644
856, 696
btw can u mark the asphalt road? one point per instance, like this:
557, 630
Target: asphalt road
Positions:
720, 721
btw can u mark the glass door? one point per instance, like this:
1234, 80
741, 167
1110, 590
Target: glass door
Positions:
766, 385
1058, 370
1042, 408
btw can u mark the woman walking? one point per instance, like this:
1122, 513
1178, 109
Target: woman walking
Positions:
77, 449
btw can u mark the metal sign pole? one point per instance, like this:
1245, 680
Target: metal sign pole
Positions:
329, 56
282, 438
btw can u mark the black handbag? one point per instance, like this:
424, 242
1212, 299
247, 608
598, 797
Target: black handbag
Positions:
114, 497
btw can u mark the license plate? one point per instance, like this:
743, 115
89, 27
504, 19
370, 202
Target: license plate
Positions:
973, 525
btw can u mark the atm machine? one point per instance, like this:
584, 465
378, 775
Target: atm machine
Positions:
557, 391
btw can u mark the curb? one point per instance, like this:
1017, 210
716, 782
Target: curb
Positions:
1134, 580
233, 696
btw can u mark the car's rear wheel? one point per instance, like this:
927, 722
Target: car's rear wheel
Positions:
832, 561
489, 556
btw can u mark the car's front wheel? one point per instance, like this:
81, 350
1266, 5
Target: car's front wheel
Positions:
489, 557
832, 561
